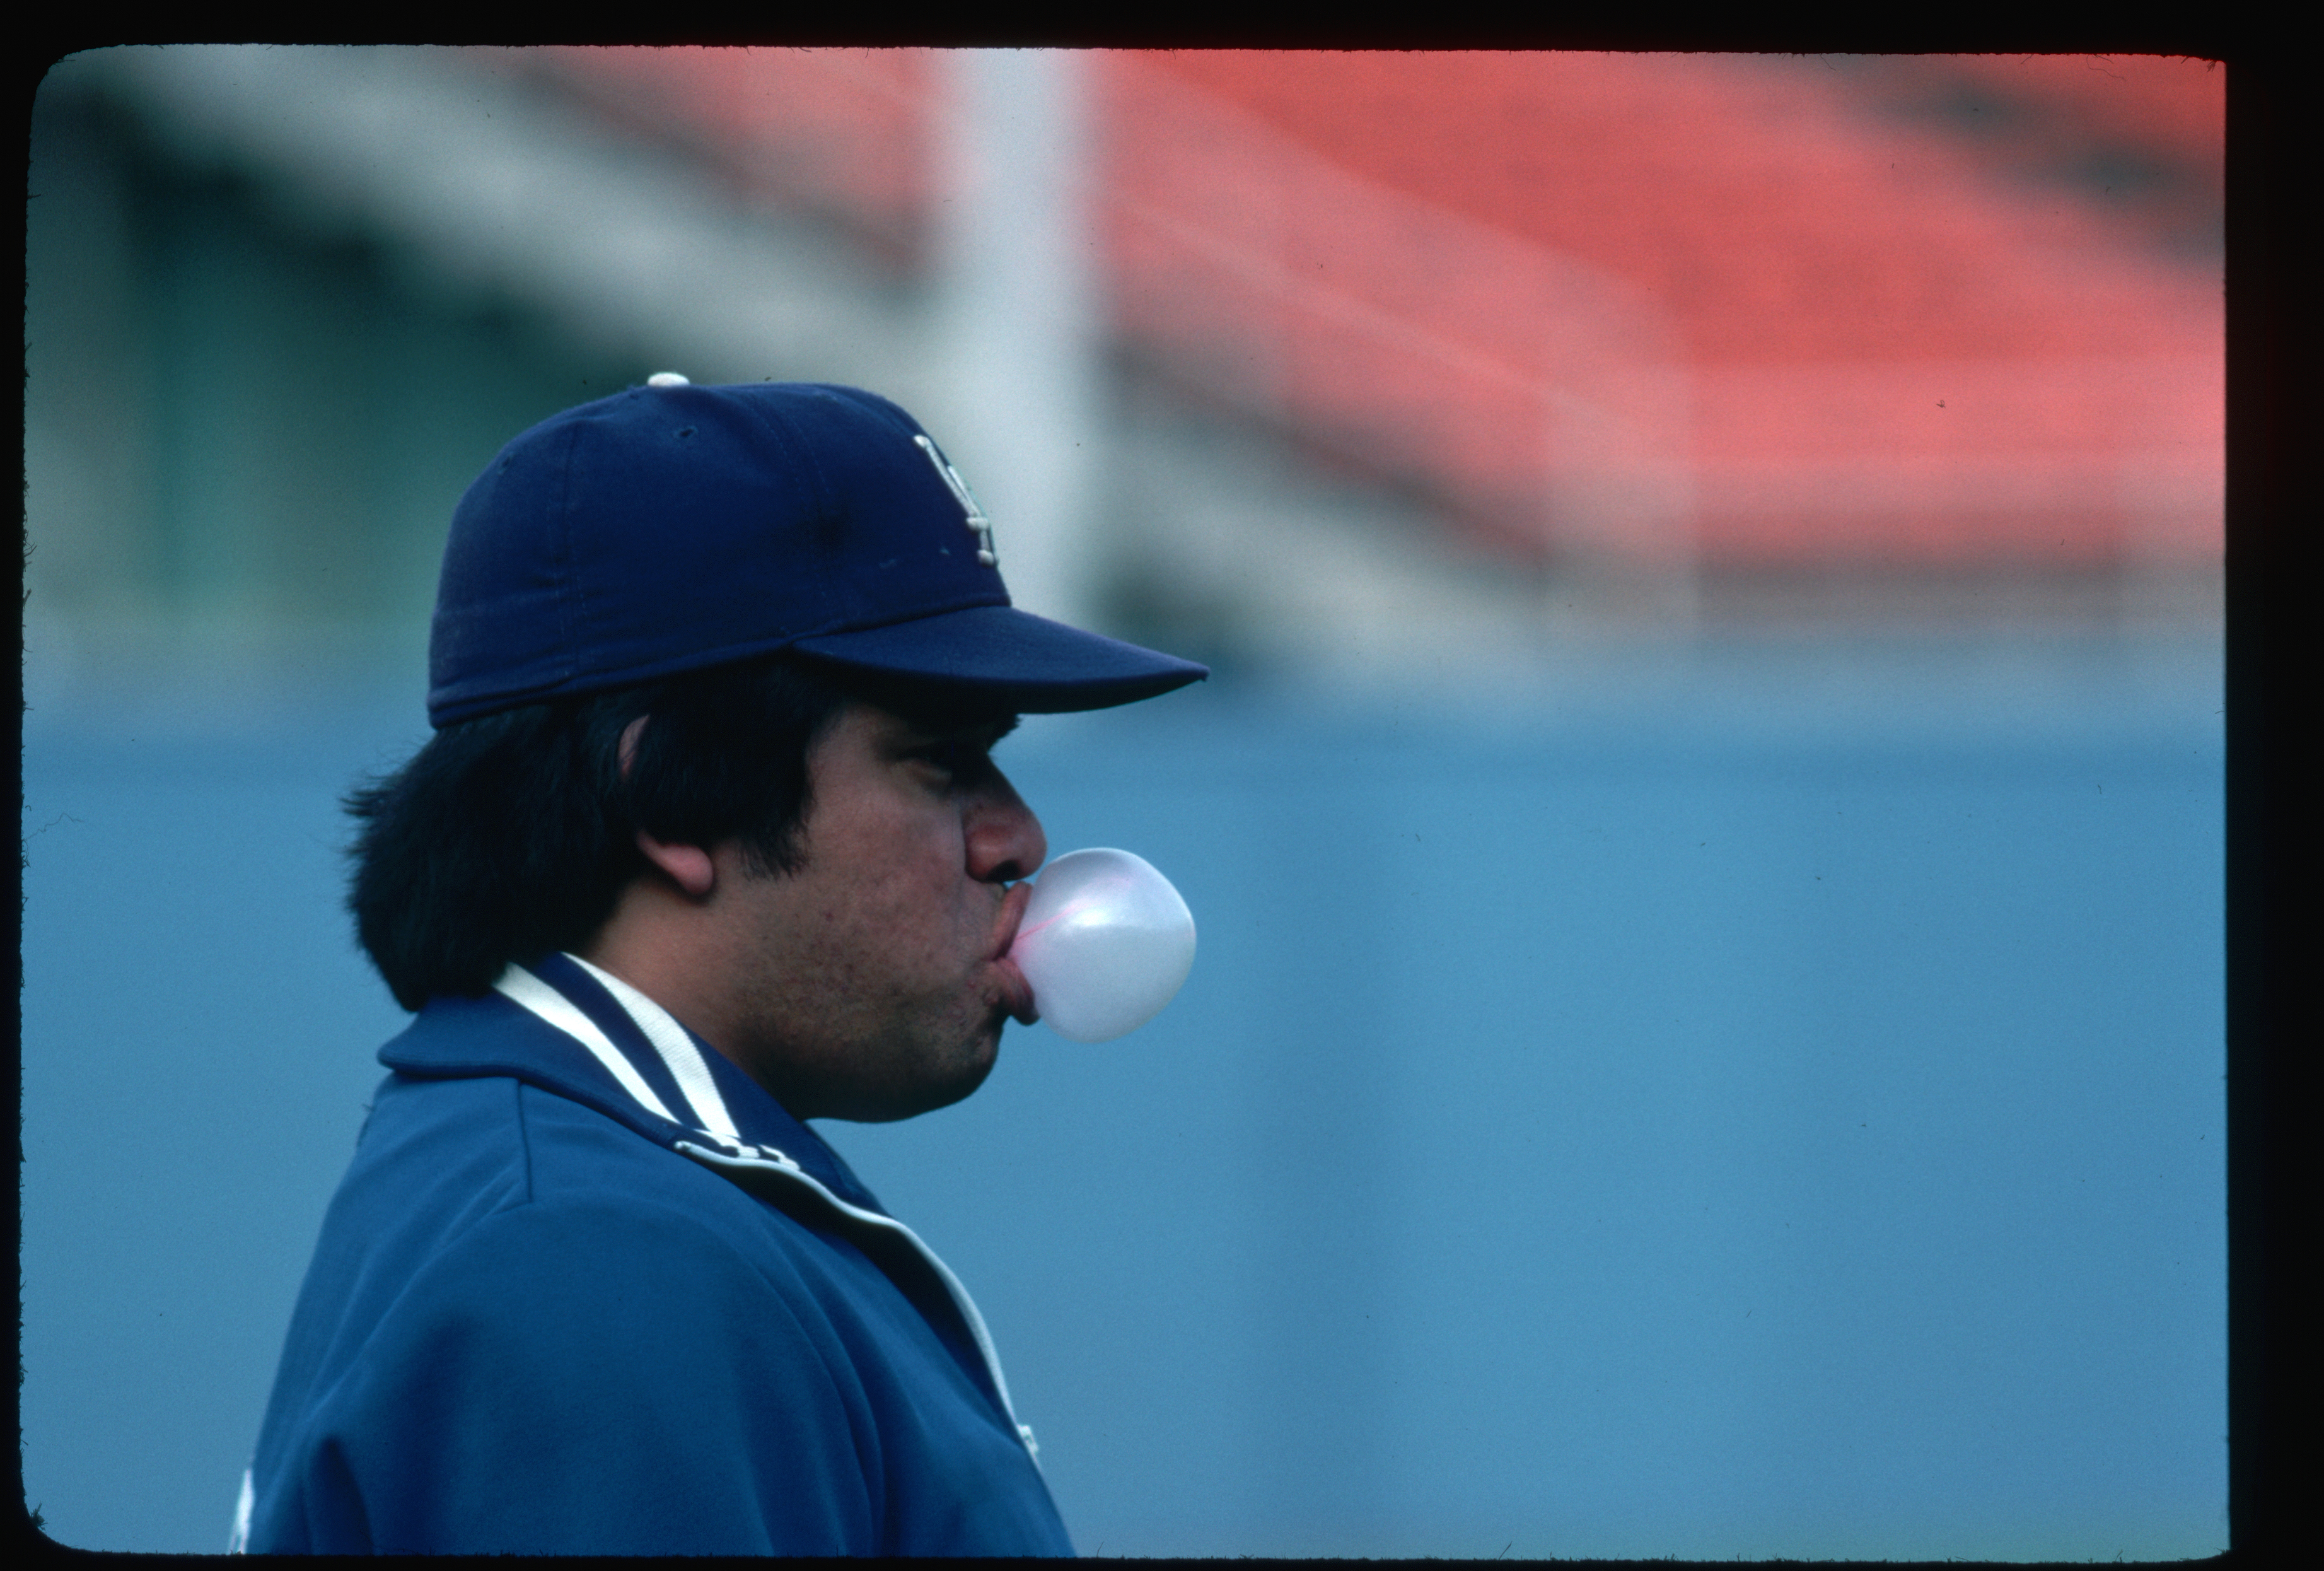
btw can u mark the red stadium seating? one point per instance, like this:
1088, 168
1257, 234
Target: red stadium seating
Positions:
1756, 310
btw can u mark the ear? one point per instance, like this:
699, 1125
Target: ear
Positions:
687, 866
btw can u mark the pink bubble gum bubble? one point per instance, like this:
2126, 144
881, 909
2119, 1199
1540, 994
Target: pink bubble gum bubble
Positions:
1106, 942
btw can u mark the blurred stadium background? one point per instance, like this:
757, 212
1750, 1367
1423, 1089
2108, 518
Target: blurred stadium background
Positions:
1706, 826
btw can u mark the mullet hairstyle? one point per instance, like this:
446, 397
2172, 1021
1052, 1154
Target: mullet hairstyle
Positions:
512, 835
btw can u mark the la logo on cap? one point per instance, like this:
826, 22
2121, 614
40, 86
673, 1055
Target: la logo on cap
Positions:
967, 500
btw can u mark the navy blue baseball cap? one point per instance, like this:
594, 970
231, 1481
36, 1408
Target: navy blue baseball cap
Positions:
673, 528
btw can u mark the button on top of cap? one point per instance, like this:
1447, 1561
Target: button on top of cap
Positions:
666, 379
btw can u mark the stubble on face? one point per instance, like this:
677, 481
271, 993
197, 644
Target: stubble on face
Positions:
868, 983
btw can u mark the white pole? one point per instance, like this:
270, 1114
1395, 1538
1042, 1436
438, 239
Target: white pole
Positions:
1019, 298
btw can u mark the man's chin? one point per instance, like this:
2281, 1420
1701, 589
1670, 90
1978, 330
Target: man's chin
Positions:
939, 1086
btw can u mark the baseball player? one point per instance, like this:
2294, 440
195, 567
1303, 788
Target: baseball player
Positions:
707, 842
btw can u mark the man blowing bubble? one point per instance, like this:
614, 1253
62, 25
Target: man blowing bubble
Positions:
708, 841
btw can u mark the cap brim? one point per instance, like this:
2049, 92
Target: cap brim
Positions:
1009, 659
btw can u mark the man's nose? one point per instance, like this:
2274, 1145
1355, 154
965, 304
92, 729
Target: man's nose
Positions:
1005, 841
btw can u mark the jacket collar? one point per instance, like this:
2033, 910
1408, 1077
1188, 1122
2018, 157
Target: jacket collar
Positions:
567, 1027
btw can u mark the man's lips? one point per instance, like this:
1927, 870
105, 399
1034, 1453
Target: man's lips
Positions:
1016, 992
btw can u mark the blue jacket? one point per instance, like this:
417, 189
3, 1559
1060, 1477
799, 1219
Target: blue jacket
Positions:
588, 1288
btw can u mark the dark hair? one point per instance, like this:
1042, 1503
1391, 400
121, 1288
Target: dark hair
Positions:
512, 835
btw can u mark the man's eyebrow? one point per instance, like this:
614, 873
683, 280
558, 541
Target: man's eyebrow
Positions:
986, 731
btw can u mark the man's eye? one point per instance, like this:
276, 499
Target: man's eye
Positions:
953, 758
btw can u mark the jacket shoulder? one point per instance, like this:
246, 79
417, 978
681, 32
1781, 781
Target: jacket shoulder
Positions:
557, 1304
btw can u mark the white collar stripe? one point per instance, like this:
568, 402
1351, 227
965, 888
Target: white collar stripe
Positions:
677, 1051
522, 986
687, 1066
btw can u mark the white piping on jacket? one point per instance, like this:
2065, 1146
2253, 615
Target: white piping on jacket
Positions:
686, 1065
953, 1285
541, 999
237, 1542
677, 1050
